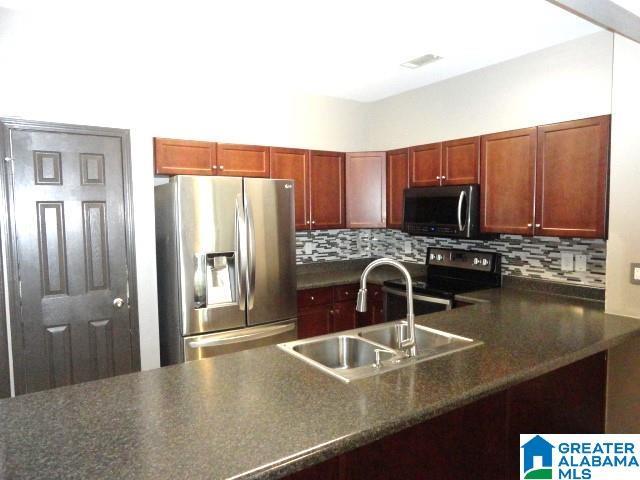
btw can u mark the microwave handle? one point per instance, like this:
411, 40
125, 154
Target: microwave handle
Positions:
463, 194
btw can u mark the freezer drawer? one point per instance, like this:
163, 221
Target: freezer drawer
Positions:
197, 347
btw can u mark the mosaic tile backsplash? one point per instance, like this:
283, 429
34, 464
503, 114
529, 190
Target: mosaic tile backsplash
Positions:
534, 257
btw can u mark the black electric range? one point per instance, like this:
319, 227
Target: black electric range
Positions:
449, 272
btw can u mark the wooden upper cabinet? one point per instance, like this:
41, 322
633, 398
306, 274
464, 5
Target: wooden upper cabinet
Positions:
460, 161
571, 178
184, 157
425, 165
366, 190
397, 181
507, 167
293, 164
327, 189
243, 160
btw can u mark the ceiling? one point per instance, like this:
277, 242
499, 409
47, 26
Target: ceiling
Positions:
343, 48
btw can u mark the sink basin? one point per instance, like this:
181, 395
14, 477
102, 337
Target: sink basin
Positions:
351, 355
342, 352
429, 342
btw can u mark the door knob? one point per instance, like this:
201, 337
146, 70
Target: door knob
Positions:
118, 302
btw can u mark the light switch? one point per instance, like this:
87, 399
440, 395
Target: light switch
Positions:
635, 273
566, 261
581, 263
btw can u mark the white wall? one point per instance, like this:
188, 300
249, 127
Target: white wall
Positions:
63, 83
563, 82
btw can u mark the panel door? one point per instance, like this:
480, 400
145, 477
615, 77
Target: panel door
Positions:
184, 157
314, 321
397, 181
68, 214
327, 189
271, 254
571, 178
507, 171
243, 160
460, 159
425, 165
366, 190
293, 164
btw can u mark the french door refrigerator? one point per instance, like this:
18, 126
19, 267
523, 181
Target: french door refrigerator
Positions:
226, 265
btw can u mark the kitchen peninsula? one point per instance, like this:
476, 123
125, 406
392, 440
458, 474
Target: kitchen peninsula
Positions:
198, 419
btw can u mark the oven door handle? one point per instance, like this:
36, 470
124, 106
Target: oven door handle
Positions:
463, 195
422, 298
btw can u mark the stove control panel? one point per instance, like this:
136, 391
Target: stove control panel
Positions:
463, 259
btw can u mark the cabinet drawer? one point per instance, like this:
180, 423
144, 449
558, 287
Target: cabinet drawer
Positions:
314, 296
346, 292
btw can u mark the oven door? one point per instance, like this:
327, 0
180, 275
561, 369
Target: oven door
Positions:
395, 304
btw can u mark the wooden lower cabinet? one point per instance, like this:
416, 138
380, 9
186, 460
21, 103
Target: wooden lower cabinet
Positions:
344, 316
313, 321
481, 440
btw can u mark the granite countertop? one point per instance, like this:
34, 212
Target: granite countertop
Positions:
328, 274
262, 413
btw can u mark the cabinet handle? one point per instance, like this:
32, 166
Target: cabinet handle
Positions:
313, 222
438, 177
537, 225
221, 167
443, 177
308, 222
215, 167
529, 225
312, 297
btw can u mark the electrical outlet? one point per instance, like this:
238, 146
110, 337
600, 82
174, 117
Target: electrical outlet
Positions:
635, 273
566, 261
308, 248
581, 263
407, 246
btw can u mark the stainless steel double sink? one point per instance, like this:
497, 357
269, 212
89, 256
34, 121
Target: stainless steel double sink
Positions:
368, 351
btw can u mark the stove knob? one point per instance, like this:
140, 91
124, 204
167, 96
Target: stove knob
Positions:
476, 261
432, 256
485, 262
440, 257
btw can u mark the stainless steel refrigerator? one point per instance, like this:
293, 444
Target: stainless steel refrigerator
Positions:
226, 265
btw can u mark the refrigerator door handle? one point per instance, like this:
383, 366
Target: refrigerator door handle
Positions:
255, 334
241, 242
251, 257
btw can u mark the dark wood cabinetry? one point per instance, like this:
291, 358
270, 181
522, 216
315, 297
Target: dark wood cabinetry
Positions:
507, 167
293, 164
184, 157
366, 190
550, 180
327, 189
460, 161
333, 309
425, 165
571, 178
243, 160
481, 440
397, 181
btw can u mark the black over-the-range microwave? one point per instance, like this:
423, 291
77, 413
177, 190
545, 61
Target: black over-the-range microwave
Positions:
451, 211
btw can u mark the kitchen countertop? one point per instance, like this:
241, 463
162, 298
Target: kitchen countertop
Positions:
262, 413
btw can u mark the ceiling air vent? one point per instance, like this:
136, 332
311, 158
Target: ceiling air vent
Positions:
421, 61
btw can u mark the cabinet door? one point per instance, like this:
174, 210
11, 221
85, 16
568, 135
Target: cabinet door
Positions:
397, 181
366, 190
293, 163
314, 321
326, 188
507, 176
571, 178
184, 157
243, 160
460, 159
344, 316
425, 164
